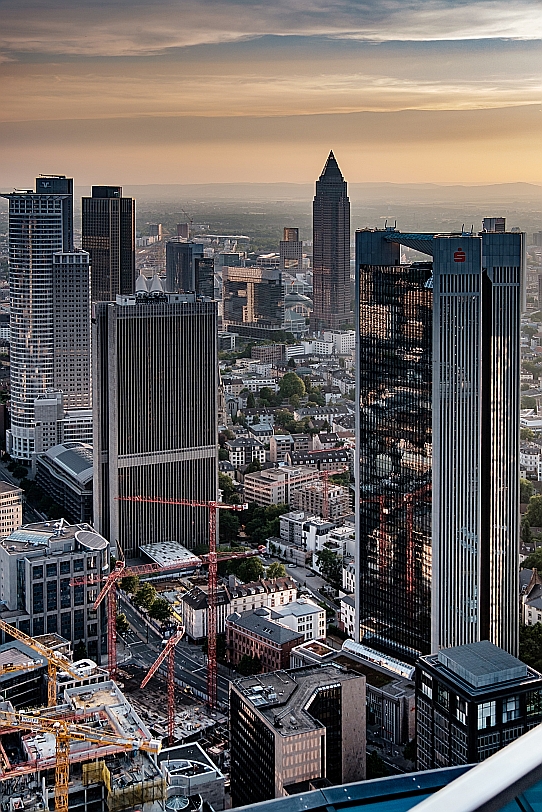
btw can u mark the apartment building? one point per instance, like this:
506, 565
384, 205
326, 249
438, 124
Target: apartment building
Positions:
11, 508
274, 486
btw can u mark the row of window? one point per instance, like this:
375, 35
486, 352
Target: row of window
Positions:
51, 570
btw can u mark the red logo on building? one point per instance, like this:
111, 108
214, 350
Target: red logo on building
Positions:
459, 255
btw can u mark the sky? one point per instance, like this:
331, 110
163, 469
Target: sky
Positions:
137, 92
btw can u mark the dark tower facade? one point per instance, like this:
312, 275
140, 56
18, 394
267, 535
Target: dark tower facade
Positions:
331, 249
188, 270
155, 383
108, 224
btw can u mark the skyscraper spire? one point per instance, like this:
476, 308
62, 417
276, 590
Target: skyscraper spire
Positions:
331, 250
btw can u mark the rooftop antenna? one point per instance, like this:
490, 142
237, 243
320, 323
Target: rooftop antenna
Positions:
386, 224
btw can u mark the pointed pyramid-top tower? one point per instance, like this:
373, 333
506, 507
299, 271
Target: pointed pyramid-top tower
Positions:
331, 250
331, 171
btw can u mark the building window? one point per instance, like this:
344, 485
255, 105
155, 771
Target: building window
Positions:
38, 625
461, 710
37, 599
78, 565
37, 572
486, 715
426, 684
534, 703
443, 696
65, 594
510, 709
66, 625
51, 570
78, 595
52, 599
52, 624
64, 567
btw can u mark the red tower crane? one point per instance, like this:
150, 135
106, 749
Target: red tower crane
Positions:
212, 559
167, 652
324, 477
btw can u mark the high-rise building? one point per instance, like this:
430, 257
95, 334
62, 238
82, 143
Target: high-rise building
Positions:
50, 307
188, 270
291, 728
291, 251
253, 298
331, 250
108, 225
438, 440
155, 384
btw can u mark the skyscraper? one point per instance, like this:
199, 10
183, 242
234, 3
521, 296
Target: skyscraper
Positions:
331, 250
108, 225
188, 270
50, 307
291, 251
438, 434
253, 299
155, 384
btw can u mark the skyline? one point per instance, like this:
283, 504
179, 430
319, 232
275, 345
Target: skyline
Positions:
229, 91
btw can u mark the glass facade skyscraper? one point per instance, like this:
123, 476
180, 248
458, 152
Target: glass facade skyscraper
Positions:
438, 432
108, 234
50, 307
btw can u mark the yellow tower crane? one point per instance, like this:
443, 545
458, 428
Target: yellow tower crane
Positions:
55, 662
65, 732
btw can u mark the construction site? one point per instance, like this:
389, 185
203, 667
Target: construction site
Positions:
71, 739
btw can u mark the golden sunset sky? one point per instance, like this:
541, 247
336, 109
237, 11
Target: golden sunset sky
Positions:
134, 91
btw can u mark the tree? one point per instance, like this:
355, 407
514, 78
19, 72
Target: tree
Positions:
253, 466
160, 609
122, 623
228, 526
526, 434
534, 511
330, 566
130, 583
275, 570
526, 535
526, 490
80, 651
145, 596
223, 454
291, 384
376, 767
291, 363
251, 402
530, 645
295, 400
225, 483
249, 569
534, 561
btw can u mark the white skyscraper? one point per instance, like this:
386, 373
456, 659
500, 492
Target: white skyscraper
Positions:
50, 307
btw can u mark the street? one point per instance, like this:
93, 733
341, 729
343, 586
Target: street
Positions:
141, 645
305, 577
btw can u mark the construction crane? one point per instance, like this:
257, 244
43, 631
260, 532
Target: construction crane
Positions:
55, 662
29, 665
211, 559
167, 652
66, 732
324, 477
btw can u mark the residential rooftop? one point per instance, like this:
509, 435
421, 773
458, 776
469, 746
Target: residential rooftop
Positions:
260, 622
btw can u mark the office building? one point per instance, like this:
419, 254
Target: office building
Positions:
331, 250
188, 270
155, 377
289, 729
274, 486
108, 226
11, 508
49, 305
64, 472
391, 699
291, 251
471, 701
438, 454
38, 563
260, 635
253, 300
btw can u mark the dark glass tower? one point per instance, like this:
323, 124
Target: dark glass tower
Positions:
438, 438
155, 384
331, 250
108, 225
188, 270
395, 334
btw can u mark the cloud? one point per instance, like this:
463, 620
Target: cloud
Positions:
135, 27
